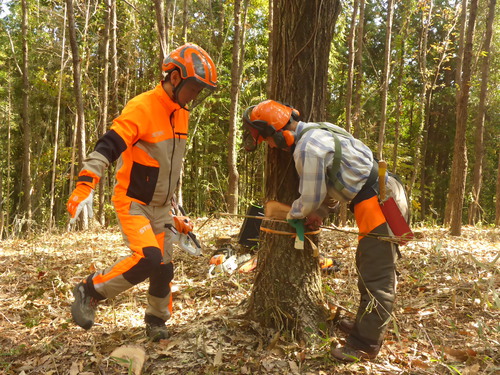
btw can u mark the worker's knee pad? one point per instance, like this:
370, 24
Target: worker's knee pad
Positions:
159, 281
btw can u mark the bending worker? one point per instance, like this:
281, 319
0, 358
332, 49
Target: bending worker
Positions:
331, 162
148, 141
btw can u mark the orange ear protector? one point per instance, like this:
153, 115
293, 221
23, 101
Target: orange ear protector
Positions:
259, 130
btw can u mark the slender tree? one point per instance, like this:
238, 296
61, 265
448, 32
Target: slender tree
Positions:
349, 87
162, 29
287, 289
474, 208
2, 216
358, 72
459, 167
114, 97
26, 180
77, 91
385, 77
56, 127
399, 103
236, 73
104, 107
497, 207
422, 59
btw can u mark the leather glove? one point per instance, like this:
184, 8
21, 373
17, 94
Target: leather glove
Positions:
81, 197
183, 224
313, 221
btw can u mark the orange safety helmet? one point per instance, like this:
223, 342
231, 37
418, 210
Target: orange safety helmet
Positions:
267, 119
193, 63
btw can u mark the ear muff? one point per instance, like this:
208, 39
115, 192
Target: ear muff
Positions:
284, 139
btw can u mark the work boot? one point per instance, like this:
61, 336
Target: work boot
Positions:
155, 328
349, 354
346, 325
84, 306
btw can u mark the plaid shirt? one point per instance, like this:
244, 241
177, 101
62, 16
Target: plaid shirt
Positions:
313, 154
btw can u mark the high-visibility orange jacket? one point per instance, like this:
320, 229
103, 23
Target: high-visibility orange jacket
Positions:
148, 139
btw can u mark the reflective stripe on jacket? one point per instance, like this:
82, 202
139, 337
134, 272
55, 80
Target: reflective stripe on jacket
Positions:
148, 139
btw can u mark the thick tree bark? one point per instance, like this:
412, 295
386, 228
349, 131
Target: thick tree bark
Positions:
474, 208
385, 78
459, 165
287, 291
26, 174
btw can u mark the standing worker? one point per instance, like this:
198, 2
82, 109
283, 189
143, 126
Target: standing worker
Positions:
148, 139
332, 163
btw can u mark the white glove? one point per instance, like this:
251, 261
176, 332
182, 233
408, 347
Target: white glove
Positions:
82, 196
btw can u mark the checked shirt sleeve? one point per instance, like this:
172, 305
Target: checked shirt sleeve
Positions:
311, 157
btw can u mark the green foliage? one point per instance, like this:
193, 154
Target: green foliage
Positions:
210, 24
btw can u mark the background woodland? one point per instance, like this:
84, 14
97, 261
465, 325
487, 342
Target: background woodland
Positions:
416, 80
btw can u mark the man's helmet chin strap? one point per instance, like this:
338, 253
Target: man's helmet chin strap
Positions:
176, 90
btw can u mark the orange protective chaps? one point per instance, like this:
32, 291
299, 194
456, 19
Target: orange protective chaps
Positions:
375, 262
145, 233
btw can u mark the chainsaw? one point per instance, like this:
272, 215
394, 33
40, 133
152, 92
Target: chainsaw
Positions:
187, 242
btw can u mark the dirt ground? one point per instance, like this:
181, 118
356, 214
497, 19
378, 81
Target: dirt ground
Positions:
447, 315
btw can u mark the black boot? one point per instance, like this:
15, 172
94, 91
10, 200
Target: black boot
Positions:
155, 328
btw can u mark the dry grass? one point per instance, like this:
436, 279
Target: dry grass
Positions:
446, 316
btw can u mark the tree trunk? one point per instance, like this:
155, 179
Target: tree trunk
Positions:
162, 29
418, 155
459, 165
185, 21
458, 82
9, 162
236, 73
497, 208
114, 102
350, 82
358, 71
287, 292
77, 89
270, 84
2, 216
474, 208
56, 130
399, 105
26, 175
385, 78
105, 100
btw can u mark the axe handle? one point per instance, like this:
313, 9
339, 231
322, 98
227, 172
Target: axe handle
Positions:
382, 168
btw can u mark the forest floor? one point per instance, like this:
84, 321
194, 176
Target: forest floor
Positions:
447, 313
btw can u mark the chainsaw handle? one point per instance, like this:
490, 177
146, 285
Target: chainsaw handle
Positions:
382, 168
